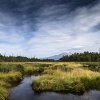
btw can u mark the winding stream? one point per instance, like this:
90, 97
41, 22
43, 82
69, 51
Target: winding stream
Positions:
24, 92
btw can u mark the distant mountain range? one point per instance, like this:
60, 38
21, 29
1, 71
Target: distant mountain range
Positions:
57, 57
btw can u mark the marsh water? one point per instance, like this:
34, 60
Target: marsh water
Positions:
24, 92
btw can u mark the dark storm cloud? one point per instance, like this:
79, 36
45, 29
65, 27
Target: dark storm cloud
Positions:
96, 27
28, 9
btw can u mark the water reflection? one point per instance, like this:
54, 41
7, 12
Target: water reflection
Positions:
25, 92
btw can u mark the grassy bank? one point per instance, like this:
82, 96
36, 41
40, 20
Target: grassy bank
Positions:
67, 77
8, 80
11, 74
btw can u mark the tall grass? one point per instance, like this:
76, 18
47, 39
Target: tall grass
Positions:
35, 68
94, 66
6, 81
10, 75
70, 77
55, 76
3, 93
29, 70
11, 67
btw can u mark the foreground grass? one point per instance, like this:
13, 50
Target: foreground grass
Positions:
67, 77
55, 76
11, 74
8, 80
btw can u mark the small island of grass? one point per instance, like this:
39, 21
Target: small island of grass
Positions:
67, 77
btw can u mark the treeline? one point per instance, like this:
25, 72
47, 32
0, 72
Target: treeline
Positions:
4, 58
78, 57
82, 57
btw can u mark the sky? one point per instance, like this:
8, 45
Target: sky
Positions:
42, 28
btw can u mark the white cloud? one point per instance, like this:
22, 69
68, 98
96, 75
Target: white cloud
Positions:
57, 31
56, 36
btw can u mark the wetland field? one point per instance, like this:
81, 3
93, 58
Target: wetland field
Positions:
50, 81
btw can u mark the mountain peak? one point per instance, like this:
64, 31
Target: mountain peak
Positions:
57, 57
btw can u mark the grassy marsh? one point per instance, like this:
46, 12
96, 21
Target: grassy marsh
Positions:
12, 73
67, 77
55, 76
